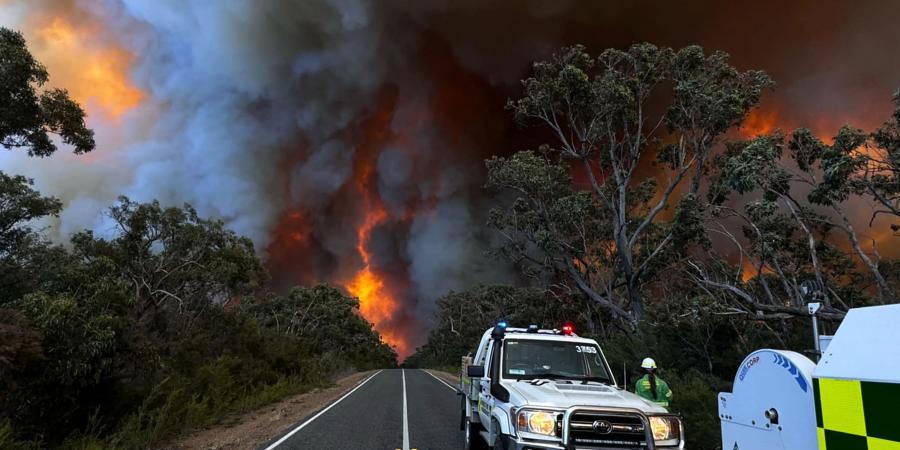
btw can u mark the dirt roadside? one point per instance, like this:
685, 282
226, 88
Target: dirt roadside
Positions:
250, 430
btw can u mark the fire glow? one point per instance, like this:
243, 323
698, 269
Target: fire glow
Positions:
95, 74
376, 302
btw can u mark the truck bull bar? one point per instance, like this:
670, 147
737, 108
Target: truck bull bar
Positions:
611, 411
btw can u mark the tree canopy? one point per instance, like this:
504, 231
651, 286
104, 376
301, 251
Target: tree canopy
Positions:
29, 115
609, 116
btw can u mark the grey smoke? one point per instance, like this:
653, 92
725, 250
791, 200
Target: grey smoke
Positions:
249, 111
325, 171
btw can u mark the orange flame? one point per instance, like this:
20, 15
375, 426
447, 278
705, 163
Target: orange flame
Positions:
760, 121
376, 302
95, 74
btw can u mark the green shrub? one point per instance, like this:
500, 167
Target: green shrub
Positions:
123, 343
695, 400
9, 441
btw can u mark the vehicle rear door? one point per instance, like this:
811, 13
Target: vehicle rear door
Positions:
485, 399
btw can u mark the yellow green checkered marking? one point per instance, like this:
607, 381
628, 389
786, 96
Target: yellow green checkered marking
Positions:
856, 415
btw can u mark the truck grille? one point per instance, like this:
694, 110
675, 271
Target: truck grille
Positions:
602, 430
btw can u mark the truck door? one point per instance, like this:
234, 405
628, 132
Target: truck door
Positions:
485, 399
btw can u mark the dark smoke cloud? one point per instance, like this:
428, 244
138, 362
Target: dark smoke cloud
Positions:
261, 112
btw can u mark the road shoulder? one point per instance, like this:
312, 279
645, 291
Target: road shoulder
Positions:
450, 378
250, 430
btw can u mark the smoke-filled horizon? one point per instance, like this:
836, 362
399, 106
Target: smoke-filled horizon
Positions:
346, 137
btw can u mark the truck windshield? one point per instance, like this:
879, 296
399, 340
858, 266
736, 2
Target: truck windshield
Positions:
529, 359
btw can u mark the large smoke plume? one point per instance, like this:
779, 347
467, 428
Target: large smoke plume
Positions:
298, 122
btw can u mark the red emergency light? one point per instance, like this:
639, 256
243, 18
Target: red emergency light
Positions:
568, 328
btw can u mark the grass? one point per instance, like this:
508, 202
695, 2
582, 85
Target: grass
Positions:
182, 413
174, 408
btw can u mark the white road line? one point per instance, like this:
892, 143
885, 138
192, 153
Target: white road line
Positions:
308, 421
405, 420
442, 381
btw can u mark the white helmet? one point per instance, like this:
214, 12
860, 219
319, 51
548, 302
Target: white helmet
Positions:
648, 364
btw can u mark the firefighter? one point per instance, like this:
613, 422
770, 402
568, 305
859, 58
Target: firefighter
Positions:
652, 387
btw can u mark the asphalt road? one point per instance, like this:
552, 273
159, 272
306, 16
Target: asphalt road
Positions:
403, 409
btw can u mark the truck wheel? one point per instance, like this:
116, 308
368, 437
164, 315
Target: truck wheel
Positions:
473, 438
499, 443
462, 412
501, 440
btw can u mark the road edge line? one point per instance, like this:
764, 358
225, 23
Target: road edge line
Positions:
442, 381
405, 417
323, 411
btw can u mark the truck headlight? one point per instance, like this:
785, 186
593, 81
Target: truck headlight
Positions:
666, 430
537, 422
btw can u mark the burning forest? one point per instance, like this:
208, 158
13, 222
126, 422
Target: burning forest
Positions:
347, 139
211, 208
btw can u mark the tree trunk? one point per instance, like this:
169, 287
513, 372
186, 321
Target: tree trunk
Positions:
813, 254
636, 302
884, 291
595, 296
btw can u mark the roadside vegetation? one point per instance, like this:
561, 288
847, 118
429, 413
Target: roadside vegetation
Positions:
161, 325
125, 340
650, 222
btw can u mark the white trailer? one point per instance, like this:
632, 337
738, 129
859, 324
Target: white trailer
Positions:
782, 400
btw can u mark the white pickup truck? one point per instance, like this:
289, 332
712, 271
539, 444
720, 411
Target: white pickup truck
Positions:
533, 389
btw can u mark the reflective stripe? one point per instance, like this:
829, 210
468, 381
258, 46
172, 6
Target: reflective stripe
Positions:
854, 414
842, 407
882, 444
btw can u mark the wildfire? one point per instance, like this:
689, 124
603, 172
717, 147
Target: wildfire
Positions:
760, 121
750, 271
376, 303
95, 74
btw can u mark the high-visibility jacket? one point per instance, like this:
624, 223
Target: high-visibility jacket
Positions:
663, 393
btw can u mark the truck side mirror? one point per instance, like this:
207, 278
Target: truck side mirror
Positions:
475, 371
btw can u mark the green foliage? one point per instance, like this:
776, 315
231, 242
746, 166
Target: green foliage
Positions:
313, 312
326, 318
8, 439
856, 163
126, 341
748, 166
546, 227
170, 257
182, 402
688, 224
708, 88
79, 338
20, 204
696, 403
791, 214
609, 241
28, 117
